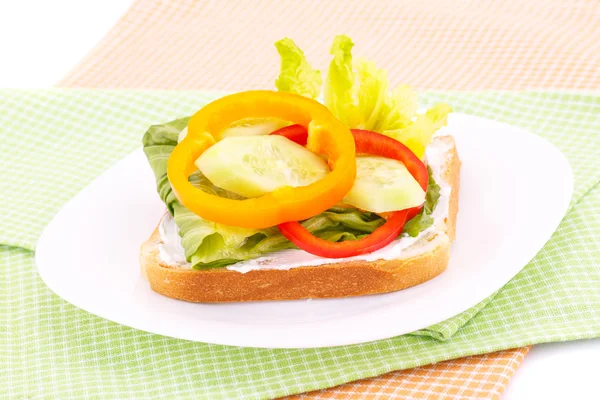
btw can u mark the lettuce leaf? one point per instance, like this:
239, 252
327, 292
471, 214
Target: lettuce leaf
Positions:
338, 91
296, 75
358, 94
159, 141
418, 133
423, 220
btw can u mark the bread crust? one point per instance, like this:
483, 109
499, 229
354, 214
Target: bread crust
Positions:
343, 279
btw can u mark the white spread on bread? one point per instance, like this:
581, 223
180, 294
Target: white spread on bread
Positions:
172, 252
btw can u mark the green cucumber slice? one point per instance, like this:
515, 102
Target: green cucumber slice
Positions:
254, 165
382, 185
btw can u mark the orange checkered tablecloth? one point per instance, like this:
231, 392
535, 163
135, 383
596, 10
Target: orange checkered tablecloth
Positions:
448, 45
477, 377
439, 44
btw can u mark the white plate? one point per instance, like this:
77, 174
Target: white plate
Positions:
515, 189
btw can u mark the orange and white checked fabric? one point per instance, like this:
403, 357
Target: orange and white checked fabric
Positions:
480, 377
430, 44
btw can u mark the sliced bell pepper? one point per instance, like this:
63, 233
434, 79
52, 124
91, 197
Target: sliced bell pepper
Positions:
296, 133
366, 143
325, 135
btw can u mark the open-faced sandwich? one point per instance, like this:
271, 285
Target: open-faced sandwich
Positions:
298, 193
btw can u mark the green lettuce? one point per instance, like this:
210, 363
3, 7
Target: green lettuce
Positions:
417, 134
159, 142
423, 219
358, 93
296, 75
339, 89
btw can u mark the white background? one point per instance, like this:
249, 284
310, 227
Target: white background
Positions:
41, 41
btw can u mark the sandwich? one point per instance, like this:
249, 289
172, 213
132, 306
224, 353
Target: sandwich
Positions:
323, 188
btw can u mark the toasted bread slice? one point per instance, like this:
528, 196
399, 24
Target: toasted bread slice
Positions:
422, 261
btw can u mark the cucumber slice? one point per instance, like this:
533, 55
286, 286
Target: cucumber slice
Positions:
254, 165
247, 127
253, 126
383, 184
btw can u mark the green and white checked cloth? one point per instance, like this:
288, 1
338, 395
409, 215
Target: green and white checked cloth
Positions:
54, 142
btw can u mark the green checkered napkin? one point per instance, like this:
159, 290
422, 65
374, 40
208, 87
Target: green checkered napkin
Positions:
54, 142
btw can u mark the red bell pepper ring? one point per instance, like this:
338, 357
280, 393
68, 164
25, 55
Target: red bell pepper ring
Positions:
296, 133
367, 142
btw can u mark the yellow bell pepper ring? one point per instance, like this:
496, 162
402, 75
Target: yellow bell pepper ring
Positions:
326, 135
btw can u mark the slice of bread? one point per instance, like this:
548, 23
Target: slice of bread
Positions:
422, 261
